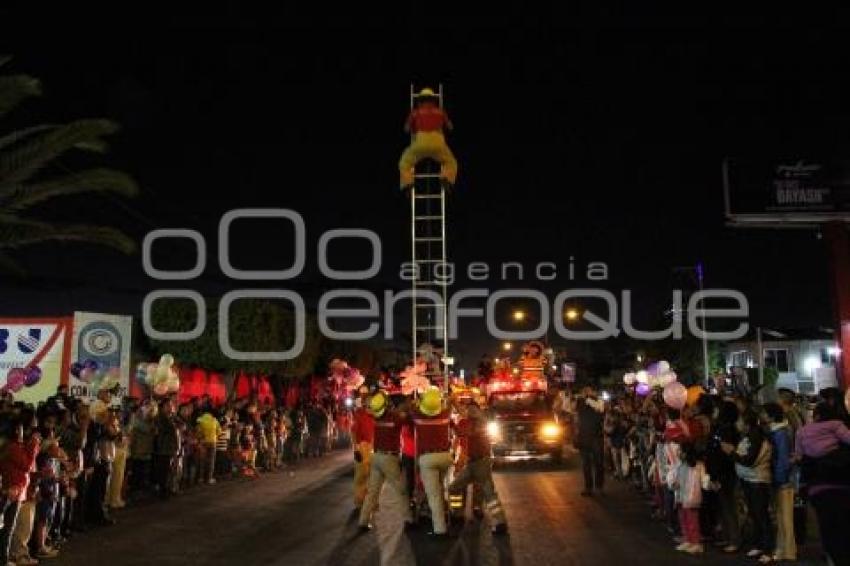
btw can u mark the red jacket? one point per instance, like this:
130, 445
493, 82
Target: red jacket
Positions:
427, 118
15, 467
473, 431
388, 433
432, 433
363, 426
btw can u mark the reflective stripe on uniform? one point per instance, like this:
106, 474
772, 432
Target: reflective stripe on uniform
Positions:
431, 421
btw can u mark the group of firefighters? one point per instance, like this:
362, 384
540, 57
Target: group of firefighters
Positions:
439, 432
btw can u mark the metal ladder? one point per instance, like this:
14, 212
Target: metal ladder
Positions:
428, 251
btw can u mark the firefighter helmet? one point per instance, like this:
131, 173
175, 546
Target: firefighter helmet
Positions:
378, 404
431, 402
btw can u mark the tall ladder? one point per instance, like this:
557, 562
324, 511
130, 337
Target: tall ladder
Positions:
428, 250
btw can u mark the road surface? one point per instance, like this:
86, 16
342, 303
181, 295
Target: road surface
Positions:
308, 519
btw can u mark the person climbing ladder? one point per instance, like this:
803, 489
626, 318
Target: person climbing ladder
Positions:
426, 124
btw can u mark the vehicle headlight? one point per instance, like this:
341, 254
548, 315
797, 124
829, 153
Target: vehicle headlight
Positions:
493, 430
550, 431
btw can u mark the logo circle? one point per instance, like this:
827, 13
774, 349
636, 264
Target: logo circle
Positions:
101, 342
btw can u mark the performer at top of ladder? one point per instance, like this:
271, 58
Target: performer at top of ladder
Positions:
426, 123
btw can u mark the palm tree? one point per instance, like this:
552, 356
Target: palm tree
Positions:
28, 177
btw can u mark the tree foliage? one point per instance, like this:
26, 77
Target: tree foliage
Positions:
30, 175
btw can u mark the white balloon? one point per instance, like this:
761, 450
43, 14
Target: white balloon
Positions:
642, 376
629, 378
663, 367
166, 360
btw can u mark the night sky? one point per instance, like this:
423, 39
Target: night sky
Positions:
603, 144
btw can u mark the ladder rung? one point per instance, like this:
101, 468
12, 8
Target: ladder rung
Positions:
428, 239
427, 217
429, 283
429, 305
428, 261
426, 176
427, 196
430, 327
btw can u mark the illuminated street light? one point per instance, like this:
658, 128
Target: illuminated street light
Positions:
519, 316
639, 358
507, 346
571, 314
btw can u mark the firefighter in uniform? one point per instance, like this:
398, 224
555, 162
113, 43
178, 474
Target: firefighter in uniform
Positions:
385, 464
433, 447
426, 123
479, 465
362, 436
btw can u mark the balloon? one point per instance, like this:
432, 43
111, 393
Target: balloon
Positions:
91, 364
642, 389
666, 379
160, 389
151, 374
642, 376
694, 393
663, 367
33, 376
15, 379
86, 375
173, 384
652, 369
629, 379
162, 374
76, 368
675, 395
166, 360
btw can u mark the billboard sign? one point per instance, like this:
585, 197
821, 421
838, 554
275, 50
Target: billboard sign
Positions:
786, 191
105, 339
33, 356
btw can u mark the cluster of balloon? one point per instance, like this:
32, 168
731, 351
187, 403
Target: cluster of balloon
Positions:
18, 378
86, 371
94, 374
414, 379
658, 374
162, 378
344, 375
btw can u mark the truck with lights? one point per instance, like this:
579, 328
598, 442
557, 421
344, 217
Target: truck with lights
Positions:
522, 424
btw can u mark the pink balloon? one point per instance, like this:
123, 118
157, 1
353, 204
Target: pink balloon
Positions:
675, 395
15, 379
86, 375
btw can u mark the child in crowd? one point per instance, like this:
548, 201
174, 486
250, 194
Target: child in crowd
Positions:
690, 480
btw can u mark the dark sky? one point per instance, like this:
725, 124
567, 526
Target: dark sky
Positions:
604, 144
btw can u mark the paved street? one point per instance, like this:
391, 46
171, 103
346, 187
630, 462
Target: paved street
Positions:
307, 519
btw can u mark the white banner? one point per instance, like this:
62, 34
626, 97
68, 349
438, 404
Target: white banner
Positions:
26, 344
105, 339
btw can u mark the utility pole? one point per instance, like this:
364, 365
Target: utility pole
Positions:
704, 329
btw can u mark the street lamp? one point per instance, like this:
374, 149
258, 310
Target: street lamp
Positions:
639, 359
507, 346
571, 314
519, 315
